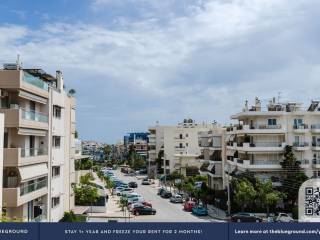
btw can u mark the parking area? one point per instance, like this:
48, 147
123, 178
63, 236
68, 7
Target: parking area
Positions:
166, 211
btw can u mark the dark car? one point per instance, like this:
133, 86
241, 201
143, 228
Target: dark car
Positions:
133, 184
143, 210
166, 194
245, 217
160, 190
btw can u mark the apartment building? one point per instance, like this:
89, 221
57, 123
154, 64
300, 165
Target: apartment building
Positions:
178, 147
212, 145
38, 153
257, 142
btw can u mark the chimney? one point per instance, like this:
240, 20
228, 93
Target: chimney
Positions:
59, 78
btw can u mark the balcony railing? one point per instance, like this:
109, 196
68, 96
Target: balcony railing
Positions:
300, 126
304, 161
33, 152
315, 126
266, 144
300, 144
35, 81
34, 116
315, 144
33, 187
265, 126
315, 161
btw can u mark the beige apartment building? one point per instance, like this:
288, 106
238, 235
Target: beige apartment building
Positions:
178, 147
257, 142
38, 153
212, 145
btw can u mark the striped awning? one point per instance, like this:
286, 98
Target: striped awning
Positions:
32, 97
33, 171
34, 132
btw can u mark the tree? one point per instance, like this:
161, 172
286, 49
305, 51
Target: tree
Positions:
293, 176
85, 179
107, 151
72, 92
71, 217
85, 195
244, 193
267, 195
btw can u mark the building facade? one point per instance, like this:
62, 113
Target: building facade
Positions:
178, 147
38, 153
257, 142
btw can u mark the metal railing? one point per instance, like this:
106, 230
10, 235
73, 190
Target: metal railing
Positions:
33, 152
300, 126
35, 81
266, 144
277, 126
33, 187
300, 144
34, 116
304, 161
315, 126
315, 161
315, 144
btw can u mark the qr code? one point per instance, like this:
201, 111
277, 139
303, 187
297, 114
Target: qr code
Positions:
312, 201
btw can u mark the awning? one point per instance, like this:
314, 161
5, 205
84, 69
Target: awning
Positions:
33, 171
34, 132
210, 167
32, 97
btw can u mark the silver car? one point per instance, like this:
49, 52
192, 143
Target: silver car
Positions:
176, 199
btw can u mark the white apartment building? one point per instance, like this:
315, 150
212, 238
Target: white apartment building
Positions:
212, 144
257, 142
38, 153
178, 147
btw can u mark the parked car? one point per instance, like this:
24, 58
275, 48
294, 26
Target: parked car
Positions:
176, 199
198, 184
283, 217
126, 190
142, 203
200, 210
143, 210
160, 190
133, 184
132, 195
245, 217
145, 182
166, 194
135, 199
188, 206
119, 190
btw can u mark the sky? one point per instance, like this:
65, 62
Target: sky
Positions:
135, 62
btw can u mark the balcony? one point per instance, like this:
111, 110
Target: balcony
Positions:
254, 129
25, 81
300, 146
258, 164
261, 147
316, 146
315, 128
14, 197
13, 157
304, 163
316, 163
301, 128
20, 118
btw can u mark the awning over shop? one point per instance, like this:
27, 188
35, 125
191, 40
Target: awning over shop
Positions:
34, 132
32, 97
33, 171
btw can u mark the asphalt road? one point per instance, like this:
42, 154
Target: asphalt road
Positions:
166, 211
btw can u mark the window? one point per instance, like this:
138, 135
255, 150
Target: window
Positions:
187, 135
272, 121
297, 122
56, 171
56, 111
187, 144
181, 136
55, 201
56, 141
180, 145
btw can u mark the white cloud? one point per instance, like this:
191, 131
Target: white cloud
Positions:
202, 62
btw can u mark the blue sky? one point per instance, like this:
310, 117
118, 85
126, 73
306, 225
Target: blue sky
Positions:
135, 62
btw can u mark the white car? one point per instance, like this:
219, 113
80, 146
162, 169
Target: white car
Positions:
126, 191
284, 217
118, 190
134, 200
